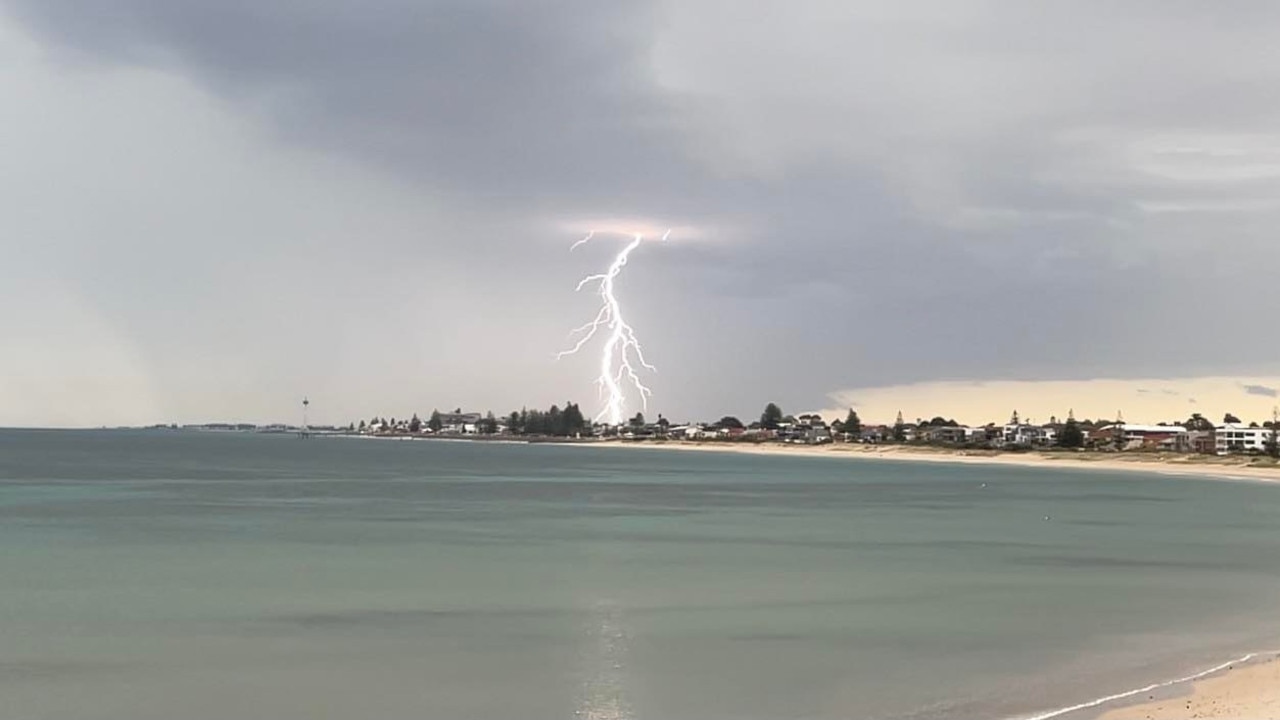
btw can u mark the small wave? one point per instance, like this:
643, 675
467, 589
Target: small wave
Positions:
1098, 702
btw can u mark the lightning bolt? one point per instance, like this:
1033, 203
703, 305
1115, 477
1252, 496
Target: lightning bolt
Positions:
621, 353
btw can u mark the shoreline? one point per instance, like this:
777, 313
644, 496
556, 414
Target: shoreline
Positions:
1202, 466
1246, 687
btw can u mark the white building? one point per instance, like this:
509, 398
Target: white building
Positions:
1024, 434
688, 432
1233, 437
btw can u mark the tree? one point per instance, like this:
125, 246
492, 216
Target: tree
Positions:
415, 425
663, 423
1198, 422
553, 421
1071, 436
852, 423
435, 422
1230, 419
362, 426
489, 425
533, 422
771, 417
574, 421
637, 422
899, 429
729, 422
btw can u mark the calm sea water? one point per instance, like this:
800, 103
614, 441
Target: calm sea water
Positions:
178, 575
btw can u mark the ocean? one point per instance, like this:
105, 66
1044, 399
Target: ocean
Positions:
183, 575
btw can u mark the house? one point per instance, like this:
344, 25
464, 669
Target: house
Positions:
1150, 437
690, 432
976, 435
875, 434
1202, 442
1236, 437
946, 435
790, 432
816, 434
954, 435
1023, 434
459, 422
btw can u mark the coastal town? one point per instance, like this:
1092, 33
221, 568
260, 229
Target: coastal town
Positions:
1196, 435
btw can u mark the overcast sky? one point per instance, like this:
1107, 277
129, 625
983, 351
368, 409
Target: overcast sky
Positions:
213, 209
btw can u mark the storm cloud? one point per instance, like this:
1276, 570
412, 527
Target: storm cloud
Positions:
1262, 390
874, 194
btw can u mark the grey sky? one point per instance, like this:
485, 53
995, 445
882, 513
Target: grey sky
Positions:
217, 207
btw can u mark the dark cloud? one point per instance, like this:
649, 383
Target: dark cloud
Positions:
1262, 390
506, 100
886, 194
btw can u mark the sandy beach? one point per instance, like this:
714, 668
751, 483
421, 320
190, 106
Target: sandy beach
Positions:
1249, 691
1204, 466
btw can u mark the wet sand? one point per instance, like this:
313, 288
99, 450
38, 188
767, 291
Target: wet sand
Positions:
1250, 691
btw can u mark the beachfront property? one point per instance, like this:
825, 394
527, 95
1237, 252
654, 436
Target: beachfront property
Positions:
1149, 437
1237, 437
947, 435
460, 423
1029, 435
1195, 436
808, 429
1199, 442
956, 435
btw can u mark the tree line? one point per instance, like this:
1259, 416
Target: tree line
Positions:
553, 421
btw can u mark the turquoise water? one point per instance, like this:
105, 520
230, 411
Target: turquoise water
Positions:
182, 575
